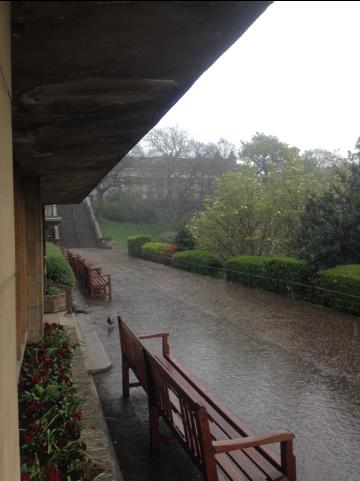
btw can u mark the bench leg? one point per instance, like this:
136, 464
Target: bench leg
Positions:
125, 378
154, 428
288, 461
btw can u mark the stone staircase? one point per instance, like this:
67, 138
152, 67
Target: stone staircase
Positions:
76, 228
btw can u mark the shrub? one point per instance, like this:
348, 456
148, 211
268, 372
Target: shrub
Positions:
271, 273
52, 291
50, 418
129, 211
168, 236
53, 250
184, 240
243, 269
345, 280
152, 250
199, 261
287, 271
167, 253
135, 243
59, 270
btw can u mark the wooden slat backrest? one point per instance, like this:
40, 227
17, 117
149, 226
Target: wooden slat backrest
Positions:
239, 426
184, 414
132, 352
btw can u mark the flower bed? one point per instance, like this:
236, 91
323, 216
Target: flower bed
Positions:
50, 416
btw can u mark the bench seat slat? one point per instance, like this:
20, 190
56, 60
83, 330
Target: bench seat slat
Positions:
229, 469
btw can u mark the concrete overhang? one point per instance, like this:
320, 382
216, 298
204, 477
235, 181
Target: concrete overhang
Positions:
90, 79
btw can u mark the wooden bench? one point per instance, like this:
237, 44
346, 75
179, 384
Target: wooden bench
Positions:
98, 282
90, 277
222, 446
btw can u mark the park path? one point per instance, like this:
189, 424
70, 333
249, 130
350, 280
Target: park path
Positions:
276, 362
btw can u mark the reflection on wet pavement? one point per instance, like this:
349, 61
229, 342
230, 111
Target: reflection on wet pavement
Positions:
275, 362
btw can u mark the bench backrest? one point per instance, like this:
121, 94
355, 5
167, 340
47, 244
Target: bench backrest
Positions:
132, 352
182, 411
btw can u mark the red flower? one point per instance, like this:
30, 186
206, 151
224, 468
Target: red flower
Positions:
53, 473
27, 437
72, 429
36, 379
25, 476
77, 415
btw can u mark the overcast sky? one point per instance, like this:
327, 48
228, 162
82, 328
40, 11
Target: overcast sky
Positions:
294, 74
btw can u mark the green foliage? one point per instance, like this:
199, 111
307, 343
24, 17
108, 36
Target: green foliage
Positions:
135, 244
59, 270
271, 273
199, 261
286, 271
49, 411
152, 250
345, 280
184, 240
52, 291
167, 236
129, 211
53, 250
248, 270
329, 234
247, 216
266, 154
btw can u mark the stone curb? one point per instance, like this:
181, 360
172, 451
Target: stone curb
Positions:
98, 366
97, 359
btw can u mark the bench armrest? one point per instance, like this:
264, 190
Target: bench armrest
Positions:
164, 336
252, 441
154, 335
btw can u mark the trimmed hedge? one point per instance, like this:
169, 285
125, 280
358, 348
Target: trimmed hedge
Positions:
59, 270
343, 279
199, 261
271, 273
243, 269
135, 244
286, 271
152, 250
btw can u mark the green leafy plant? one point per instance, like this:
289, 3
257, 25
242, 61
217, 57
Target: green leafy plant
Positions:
248, 270
152, 250
167, 253
184, 240
59, 270
50, 415
51, 291
280, 274
342, 288
135, 244
199, 261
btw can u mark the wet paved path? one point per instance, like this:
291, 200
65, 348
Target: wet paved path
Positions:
275, 362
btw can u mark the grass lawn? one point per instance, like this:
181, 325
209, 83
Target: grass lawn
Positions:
120, 231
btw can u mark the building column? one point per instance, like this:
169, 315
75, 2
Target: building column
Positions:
35, 255
9, 433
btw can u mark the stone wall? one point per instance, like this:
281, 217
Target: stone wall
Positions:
9, 443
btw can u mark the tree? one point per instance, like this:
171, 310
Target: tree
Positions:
169, 144
329, 234
248, 216
189, 166
355, 156
266, 154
